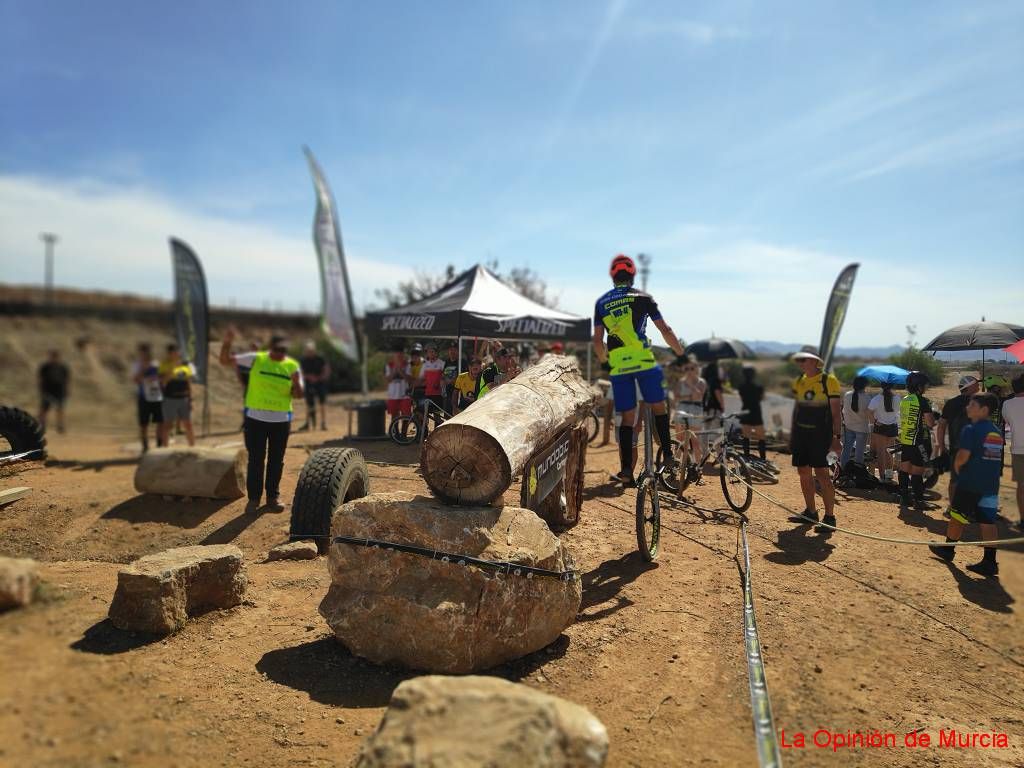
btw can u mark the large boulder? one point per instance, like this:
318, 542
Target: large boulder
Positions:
393, 607
158, 593
465, 722
18, 581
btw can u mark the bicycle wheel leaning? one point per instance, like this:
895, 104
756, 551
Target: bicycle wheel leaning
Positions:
648, 518
760, 472
593, 426
735, 476
404, 430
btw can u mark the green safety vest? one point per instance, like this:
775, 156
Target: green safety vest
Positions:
270, 383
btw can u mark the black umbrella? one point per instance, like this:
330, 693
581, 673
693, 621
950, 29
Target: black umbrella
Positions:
983, 335
706, 350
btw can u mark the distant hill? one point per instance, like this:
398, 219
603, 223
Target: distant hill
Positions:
780, 348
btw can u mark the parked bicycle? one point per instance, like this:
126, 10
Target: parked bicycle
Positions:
733, 471
426, 415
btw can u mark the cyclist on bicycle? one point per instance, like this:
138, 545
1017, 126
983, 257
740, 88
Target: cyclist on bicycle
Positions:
623, 312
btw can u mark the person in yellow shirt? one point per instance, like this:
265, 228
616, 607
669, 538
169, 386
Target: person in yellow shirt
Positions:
470, 385
176, 379
817, 425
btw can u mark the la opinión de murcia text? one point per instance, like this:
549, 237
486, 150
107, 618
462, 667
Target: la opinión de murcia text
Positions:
838, 741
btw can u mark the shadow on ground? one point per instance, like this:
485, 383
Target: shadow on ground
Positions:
801, 545
95, 466
106, 639
604, 583
330, 674
985, 593
149, 508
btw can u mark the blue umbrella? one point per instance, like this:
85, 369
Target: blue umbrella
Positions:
885, 374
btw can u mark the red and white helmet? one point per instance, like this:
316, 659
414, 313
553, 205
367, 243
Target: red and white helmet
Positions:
622, 263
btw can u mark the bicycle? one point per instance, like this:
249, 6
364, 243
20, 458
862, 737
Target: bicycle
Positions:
733, 471
761, 470
648, 524
406, 430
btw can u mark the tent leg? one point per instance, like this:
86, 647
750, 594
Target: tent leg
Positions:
366, 356
590, 351
460, 354
983, 365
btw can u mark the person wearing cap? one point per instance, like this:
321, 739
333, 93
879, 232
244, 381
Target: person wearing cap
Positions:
431, 377
508, 367
817, 423
1013, 415
557, 348
415, 371
622, 313
450, 372
978, 463
316, 371
396, 374
952, 421
274, 379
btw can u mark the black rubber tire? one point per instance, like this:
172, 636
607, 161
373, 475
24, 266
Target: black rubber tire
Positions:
404, 430
23, 432
671, 482
647, 541
930, 479
329, 478
593, 426
737, 491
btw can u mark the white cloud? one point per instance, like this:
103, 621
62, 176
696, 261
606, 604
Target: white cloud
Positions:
114, 237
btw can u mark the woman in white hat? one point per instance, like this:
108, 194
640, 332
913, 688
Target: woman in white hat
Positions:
817, 423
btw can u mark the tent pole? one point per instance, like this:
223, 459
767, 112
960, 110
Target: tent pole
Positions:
460, 354
590, 349
366, 357
983, 364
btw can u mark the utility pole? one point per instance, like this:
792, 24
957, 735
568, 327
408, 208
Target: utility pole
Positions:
645, 269
50, 240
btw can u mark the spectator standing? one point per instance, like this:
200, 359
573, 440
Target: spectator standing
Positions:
415, 369
432, 377
978, 464
816, 421
274, 379
176, 377
714, 399
1013, 415
396, 373
952, 421
752, 423
316, 372
508, 368
883, 415
54, 378
855, 423
689, 393
146, 375
450, 372
470, 385
915, 412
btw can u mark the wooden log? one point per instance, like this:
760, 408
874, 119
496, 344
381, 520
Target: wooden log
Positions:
206, 472
13, 494
472, 458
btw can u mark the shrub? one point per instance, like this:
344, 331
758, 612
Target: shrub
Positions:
913, 359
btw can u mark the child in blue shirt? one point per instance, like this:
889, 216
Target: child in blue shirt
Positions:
978, 464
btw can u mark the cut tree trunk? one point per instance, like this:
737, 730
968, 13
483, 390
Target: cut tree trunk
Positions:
472, 458
205, 472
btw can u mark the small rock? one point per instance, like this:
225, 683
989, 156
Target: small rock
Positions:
817, 669
294, 550
339, 720
18, 581
158, 593
436, 720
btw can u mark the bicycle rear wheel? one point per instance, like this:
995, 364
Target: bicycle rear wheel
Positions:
404, 430
648, 518
760, 472
735, 476
670, 480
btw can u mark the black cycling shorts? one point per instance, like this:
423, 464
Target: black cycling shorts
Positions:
150, 412
810, 446
912, 453
887, 430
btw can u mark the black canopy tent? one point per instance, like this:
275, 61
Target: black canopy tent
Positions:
477, 303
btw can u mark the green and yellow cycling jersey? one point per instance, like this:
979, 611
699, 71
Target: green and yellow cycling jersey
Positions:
912, 411
623, 312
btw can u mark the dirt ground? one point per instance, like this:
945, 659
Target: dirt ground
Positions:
857, 634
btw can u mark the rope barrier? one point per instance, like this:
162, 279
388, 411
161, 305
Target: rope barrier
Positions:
875, 537
500, 567
760, 705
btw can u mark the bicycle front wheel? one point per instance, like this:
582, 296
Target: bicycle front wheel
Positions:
404, 430
593, 426
735, 476
648, 518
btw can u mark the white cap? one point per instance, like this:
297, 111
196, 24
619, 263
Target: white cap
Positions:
966, 381
807, 356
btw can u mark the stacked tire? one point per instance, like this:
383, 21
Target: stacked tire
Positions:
20, 432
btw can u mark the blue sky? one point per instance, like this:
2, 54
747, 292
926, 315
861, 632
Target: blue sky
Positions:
751, 148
